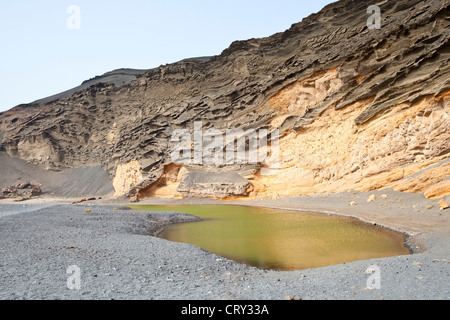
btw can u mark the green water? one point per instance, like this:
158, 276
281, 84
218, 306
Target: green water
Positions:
281, 240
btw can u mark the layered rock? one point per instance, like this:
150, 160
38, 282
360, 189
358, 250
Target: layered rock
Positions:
220, 185
357, 109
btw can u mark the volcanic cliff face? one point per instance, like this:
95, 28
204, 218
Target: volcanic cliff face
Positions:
356, 108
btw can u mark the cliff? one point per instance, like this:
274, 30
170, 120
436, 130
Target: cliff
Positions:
356, 109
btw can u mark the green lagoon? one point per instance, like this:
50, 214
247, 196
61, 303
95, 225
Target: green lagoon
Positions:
280, 239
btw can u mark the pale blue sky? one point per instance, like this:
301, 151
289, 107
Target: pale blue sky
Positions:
40, 56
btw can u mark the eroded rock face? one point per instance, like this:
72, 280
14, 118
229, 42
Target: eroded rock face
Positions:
127, 175
219, 185
439, 190
357, 108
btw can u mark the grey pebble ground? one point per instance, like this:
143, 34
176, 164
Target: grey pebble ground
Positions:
120, 259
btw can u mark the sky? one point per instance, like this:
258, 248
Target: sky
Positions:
49, 46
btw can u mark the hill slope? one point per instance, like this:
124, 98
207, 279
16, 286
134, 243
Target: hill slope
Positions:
357, 109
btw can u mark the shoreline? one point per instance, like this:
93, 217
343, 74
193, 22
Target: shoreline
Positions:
363, 212
121, 257
420, 248
410, 223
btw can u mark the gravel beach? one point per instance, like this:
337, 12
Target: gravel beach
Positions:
120, 258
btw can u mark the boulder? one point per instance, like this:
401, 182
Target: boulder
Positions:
444, 203
218, 185
23, 191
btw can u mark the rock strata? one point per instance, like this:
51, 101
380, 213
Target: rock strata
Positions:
214, 185
356, 108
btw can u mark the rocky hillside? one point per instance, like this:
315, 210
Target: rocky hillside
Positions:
356, 108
